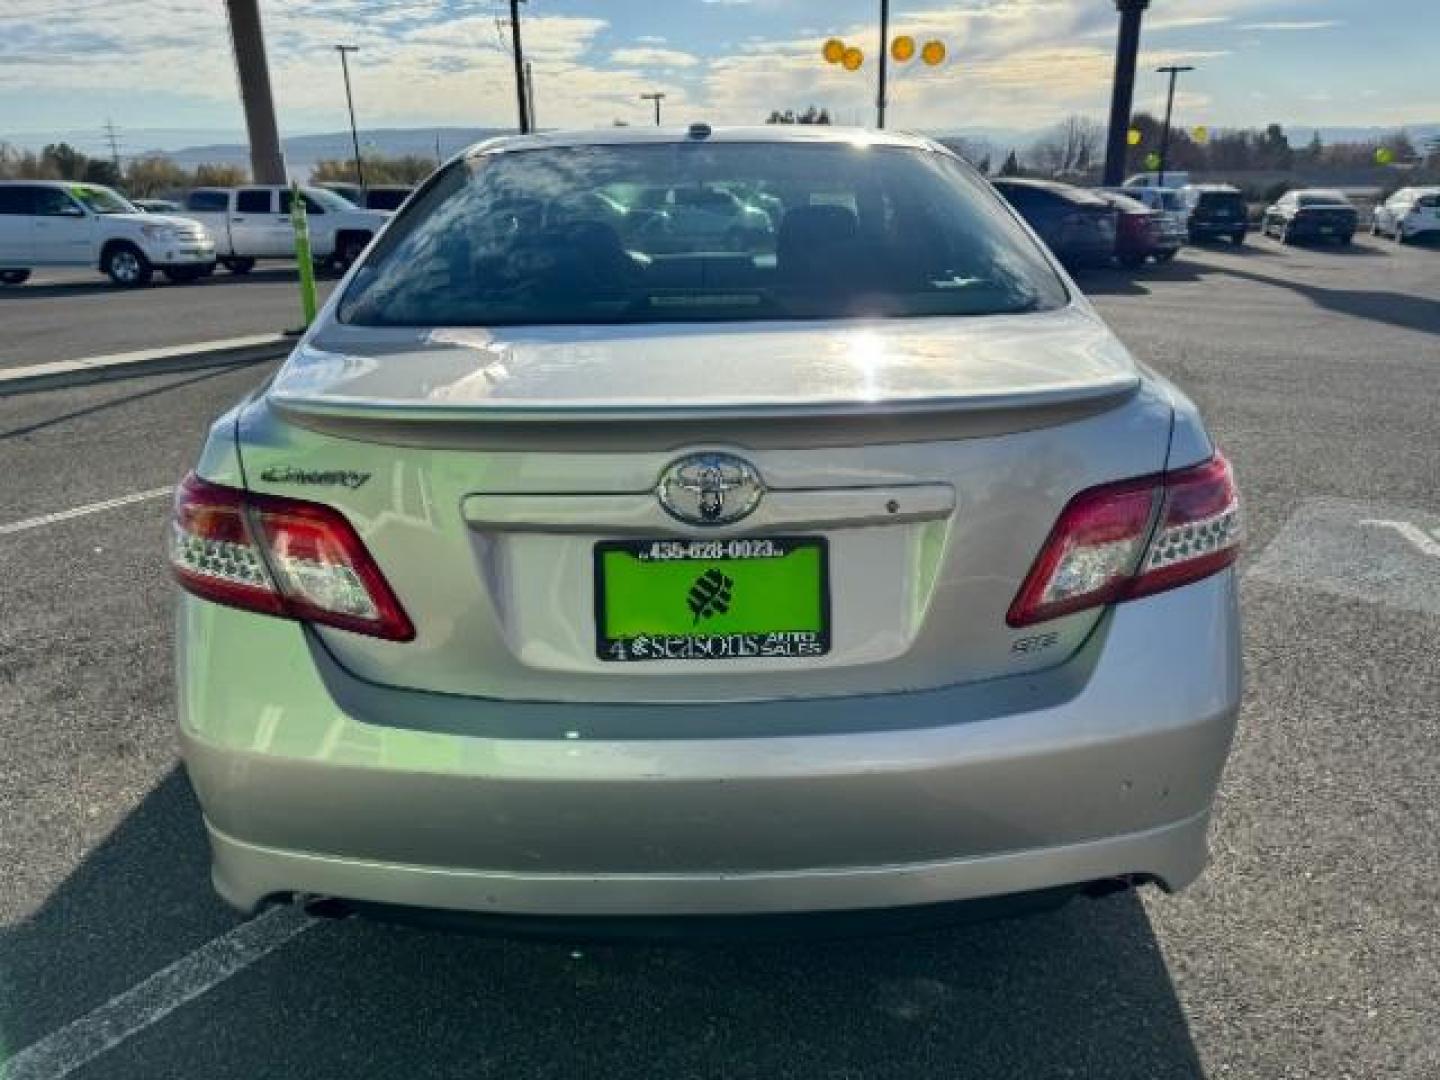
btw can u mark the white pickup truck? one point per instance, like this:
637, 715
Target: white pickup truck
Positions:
251, 223
58, 223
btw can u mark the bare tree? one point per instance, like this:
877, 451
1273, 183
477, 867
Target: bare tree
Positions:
977, 152
1071, 146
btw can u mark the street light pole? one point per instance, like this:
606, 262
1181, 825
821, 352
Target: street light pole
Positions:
530, 95
656, 98
884, 61
1174, 71
350, 103
267, 162
520, 96
1127, 50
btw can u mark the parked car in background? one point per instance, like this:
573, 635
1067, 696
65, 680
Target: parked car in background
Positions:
251, 223
1169, 179
478, 616
1311, 214
1140, 233
1409, 213
351, 193
1215, 212
373, 197
1079, 226
156, 206
58, 223
386, 196
1169, 209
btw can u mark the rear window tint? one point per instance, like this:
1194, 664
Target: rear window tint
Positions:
383, 199
17, 200
1221, 200
715, 232
207, 200
253, 202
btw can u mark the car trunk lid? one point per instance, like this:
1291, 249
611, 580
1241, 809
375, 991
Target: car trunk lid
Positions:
920, 464
561, 374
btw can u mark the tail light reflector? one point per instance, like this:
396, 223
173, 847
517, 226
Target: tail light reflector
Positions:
277, 556
1131, 539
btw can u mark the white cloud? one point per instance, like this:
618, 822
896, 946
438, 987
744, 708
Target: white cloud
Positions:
1184, 22
1012, 63
653, 57
1319, 24
417, 64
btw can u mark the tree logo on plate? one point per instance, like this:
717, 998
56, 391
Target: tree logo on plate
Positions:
710, 489
710, 595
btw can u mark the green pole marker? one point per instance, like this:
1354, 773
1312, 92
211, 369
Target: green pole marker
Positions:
301, 225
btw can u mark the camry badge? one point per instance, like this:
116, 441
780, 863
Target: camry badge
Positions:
710, 489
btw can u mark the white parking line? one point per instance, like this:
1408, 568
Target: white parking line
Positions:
81, 511
81, 1042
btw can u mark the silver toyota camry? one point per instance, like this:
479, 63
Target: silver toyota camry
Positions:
699, 523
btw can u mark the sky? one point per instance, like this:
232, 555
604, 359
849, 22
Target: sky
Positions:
1013, 65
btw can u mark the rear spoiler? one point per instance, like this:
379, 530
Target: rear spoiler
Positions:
757, 425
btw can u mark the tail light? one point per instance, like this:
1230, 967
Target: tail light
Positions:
1131, 539
276, 556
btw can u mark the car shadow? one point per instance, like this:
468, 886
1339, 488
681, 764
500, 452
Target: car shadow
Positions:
71, 289
1344, 251
1120, 281
1082, 991
1374, 305
111, 403
1255, 244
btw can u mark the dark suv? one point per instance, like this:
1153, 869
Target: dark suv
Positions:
1216, 211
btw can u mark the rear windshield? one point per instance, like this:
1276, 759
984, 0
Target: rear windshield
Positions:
1428, 201
1337, 201
1220, 200
726, 231
1170, 200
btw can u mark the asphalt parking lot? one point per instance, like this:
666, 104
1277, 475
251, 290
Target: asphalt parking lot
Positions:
1311, 948
66, 314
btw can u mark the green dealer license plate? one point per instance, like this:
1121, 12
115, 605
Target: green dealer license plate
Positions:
740, 599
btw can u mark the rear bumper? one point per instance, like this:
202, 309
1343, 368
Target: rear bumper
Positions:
1209, 230
1317, 230
1151, 246
244, 873
314, 782
184, 255
1086, 252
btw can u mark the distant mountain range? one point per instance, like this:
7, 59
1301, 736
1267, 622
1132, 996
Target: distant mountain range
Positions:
303, 151
190, 147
